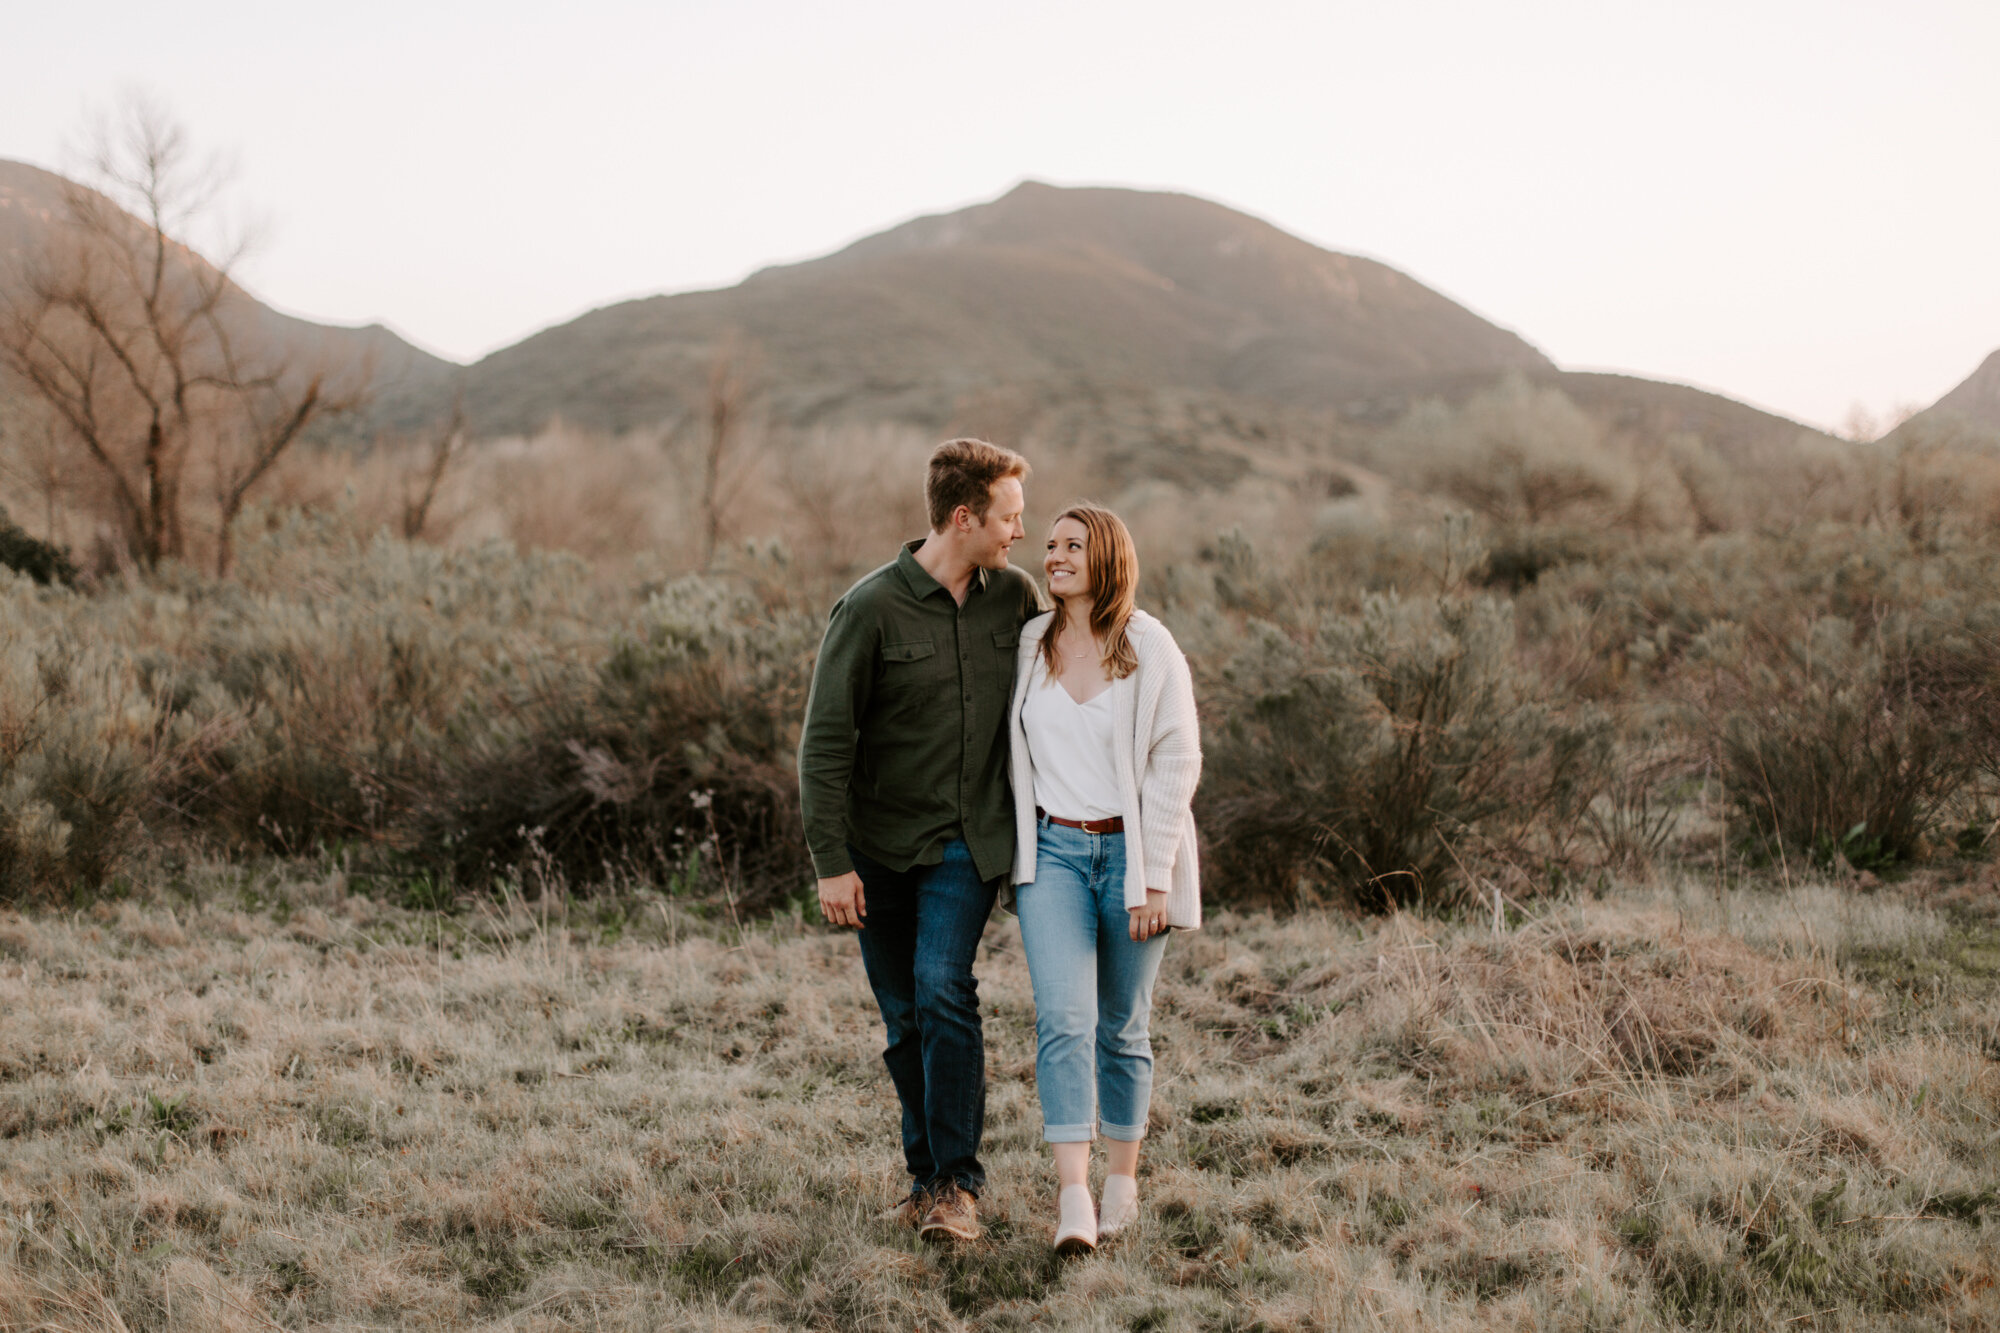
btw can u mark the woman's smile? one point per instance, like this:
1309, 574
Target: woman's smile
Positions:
1064, 563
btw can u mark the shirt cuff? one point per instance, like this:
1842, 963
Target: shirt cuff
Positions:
827, 865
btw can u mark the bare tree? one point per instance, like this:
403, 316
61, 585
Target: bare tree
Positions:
146, 354
725, 458
848, 488
445, 446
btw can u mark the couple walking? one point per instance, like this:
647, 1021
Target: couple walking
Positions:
960, 742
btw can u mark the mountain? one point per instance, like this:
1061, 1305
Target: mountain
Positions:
1972, 409
1043, 287
1169, 335
1178, 338
407, 383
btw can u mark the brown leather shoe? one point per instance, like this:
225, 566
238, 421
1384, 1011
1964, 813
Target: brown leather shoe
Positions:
910, 1212
953, 1215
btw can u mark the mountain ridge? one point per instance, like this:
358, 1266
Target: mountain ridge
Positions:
1182, 239
1972, 406
1043, 285
1101, 307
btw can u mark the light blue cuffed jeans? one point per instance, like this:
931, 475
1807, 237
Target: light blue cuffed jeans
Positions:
1093, 987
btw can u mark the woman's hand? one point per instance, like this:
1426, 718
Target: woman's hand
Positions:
1151, 919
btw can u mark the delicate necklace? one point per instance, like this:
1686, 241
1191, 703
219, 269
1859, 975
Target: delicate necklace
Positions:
1085, 653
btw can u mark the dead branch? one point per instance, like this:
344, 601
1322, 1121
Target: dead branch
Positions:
446, 445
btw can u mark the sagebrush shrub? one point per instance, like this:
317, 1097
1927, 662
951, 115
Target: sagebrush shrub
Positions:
316, 699
1377, 723
1516, 453
1842, 682
677, 753
1388, 752
44, 562
78, 743
1841, 741
475, 708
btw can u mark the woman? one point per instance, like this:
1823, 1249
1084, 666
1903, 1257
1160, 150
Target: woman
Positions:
1106, 754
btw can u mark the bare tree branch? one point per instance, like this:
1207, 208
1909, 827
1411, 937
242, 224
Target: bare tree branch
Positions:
130, 338
730, 375
445, 447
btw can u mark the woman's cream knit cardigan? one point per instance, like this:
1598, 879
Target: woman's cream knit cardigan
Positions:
1157, 739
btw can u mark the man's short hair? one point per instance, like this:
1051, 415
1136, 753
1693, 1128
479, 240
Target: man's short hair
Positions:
962, 472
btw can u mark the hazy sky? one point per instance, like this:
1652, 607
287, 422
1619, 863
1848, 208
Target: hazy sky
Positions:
1793, 203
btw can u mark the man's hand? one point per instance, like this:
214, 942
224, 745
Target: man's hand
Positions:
1149, 920
841, 900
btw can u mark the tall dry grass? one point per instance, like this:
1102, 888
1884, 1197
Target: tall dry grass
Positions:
272, 1101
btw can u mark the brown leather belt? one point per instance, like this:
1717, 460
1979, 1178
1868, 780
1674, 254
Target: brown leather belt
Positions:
1115, 824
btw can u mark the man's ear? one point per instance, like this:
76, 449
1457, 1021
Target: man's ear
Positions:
962, 519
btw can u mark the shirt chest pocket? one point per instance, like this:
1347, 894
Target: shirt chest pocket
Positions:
1006, 649
910, 666
999, 663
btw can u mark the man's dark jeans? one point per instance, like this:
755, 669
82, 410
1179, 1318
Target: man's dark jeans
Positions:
918, 942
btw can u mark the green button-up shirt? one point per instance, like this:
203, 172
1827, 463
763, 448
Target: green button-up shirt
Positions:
905, 740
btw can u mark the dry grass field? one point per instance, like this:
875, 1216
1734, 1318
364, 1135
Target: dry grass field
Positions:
261, 1099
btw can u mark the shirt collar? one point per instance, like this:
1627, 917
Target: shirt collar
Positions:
921, 583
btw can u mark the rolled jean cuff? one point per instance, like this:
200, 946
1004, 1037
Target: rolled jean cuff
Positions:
1068, 1133
1124, 1133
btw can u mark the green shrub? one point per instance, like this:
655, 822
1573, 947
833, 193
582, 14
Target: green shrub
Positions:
77, 745
677, 756
1849, 743
481, 711
41, 561
1843, 682
1388, 752
476, 709
1517, 557
317, 698
1516, 453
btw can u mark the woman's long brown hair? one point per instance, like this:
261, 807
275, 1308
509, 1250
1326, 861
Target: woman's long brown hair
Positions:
1112, 562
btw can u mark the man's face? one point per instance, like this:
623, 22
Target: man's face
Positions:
990, 540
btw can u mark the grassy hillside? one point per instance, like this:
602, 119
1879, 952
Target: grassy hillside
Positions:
1970, 411
1044, 287
1105, 319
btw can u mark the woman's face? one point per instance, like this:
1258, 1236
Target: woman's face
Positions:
1068, 564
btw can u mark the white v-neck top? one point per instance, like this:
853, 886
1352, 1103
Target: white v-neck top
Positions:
1070, 748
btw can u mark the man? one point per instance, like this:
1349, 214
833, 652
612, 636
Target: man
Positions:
903, 781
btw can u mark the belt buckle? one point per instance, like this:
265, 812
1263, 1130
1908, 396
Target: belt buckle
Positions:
1099, 827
